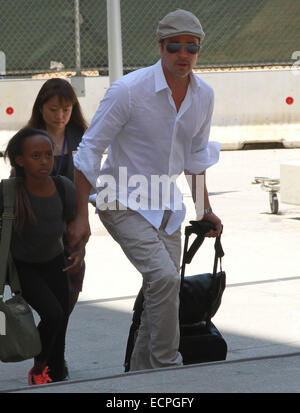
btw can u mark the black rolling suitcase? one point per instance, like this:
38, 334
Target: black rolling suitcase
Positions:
201, 343
200, 298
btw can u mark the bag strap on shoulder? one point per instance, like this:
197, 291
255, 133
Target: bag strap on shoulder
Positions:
8, 216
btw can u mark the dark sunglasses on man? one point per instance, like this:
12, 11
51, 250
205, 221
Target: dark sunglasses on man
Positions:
191, 48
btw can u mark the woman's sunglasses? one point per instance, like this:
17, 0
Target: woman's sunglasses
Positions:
191, 48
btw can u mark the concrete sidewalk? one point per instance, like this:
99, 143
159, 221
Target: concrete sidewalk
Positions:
278, 374
259, 316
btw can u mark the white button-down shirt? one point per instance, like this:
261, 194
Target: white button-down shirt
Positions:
146, 137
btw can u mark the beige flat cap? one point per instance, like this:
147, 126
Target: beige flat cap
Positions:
179, 22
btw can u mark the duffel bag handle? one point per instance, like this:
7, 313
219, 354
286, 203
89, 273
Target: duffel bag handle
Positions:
200, 228
219, 253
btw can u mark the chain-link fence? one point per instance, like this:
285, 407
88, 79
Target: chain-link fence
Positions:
39, 36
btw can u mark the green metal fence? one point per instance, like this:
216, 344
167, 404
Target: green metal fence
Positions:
40, 36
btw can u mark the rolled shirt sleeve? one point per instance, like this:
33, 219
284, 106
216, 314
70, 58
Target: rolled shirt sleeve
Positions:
203, 153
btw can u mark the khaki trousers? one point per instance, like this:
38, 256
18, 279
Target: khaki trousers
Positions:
156, 255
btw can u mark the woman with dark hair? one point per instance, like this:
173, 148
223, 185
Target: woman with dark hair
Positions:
57, 111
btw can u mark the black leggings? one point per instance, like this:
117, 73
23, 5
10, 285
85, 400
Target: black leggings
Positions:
45, 288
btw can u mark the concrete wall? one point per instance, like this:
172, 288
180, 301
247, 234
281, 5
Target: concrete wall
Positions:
250, 105
20, 95
290, 182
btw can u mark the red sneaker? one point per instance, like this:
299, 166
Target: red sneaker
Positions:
43, 378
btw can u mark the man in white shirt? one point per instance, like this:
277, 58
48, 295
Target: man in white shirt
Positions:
155, 123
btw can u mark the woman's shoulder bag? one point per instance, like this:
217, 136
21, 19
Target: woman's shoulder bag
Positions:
19, 337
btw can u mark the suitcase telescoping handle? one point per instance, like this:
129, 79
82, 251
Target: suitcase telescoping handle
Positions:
200, 228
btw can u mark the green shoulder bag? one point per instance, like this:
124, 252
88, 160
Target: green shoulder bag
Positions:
19, 336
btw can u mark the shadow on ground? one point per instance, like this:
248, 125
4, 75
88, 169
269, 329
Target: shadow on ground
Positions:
247, 318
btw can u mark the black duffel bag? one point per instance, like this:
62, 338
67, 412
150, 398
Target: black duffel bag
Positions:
200, 299
201, 294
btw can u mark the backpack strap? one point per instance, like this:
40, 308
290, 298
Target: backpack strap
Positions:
9, 189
